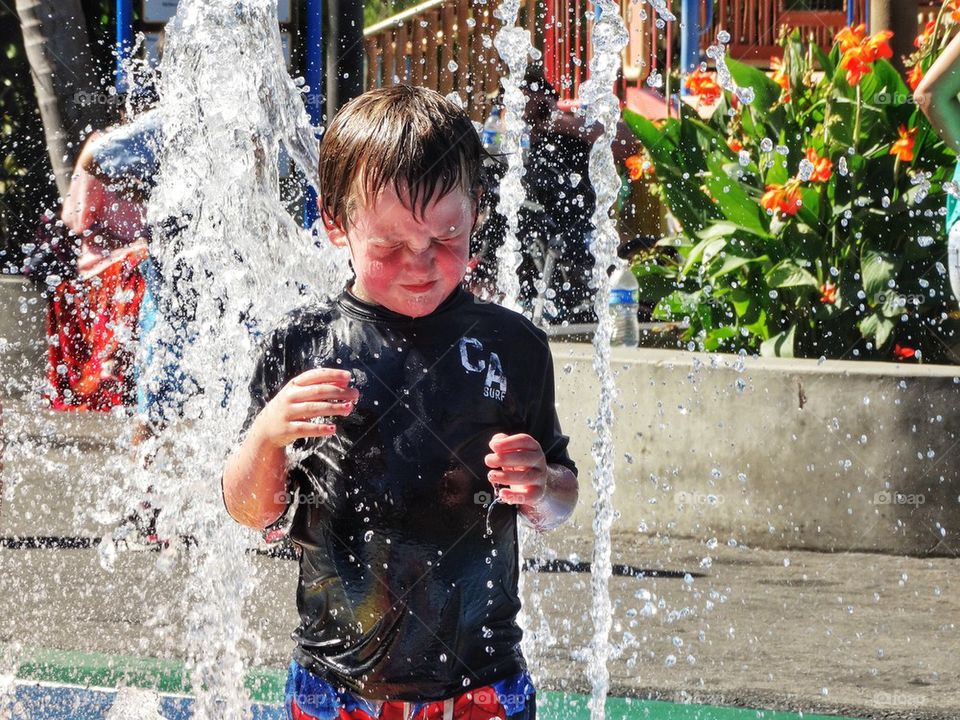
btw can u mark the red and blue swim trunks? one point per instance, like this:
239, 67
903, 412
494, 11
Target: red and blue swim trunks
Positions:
308, 697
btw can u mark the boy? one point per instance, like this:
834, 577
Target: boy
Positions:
408, 401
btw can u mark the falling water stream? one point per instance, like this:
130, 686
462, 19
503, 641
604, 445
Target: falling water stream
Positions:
227, 243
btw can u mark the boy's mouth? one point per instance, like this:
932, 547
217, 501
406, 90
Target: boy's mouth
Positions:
422, 287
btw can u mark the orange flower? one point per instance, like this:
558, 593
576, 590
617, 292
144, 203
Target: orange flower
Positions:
734, 145
828, 293
822, 166
915, 76
703, 86
903, 148
924, 37
780, 77
903, 353
638, 166
851, 37
784, 199
859, 52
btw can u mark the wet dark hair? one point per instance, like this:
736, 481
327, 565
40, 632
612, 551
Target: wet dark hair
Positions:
410, 138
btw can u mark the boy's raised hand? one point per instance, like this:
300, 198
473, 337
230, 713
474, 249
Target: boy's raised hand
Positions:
519, 468
315, 393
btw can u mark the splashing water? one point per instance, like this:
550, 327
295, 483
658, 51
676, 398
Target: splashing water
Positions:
602, 105
662, 10
514, 47
235, 255
718, 53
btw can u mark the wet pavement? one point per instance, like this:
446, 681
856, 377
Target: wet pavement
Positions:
860, 635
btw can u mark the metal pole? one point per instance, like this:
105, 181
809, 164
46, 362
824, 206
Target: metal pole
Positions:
314, 97
689, 37
344, 52
124, 41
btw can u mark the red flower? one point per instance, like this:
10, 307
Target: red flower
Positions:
638, 166
924, 37
859, 52
828, 293
903, 148
915, 76
784, 199
703, 86
903, 353
822, 166
735, 145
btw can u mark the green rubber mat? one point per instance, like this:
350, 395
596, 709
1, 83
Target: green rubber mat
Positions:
80, 669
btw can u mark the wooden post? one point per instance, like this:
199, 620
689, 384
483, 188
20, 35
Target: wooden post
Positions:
389, 56
449, 14
901, 17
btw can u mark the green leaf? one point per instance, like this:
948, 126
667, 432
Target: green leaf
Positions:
787, 273
677, 304
714, 339
727, 229
877, 327
824, 60
736, 206
761, 326
877, 269
766, 91
780, 345
732, 263
703, 251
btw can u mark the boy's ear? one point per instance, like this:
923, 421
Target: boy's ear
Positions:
335, 233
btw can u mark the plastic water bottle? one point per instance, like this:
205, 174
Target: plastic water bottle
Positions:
491, 136
624, 303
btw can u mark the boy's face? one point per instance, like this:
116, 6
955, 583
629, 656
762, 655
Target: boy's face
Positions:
405, 264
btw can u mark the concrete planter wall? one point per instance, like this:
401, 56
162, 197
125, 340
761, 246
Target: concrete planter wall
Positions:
772, 453
23, 332
838, 455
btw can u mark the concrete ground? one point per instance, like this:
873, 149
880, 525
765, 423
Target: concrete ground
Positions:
695, 620
868, 636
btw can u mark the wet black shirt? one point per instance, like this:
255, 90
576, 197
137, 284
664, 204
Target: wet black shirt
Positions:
403, 594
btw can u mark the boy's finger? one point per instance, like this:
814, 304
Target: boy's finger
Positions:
305, 411
325, 391
509, 443
309, 429
323, 375
511, 478
515, 459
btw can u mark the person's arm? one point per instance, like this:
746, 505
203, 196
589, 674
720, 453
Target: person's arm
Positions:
255, 473
624, 144
937, 94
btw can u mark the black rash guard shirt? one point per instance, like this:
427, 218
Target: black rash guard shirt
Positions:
403, 593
